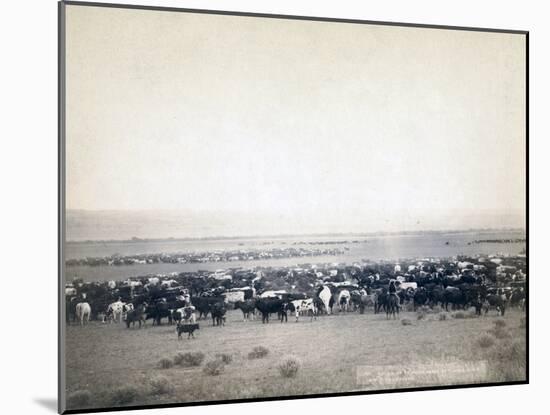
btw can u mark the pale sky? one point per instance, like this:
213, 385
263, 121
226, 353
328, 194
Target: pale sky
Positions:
304, 119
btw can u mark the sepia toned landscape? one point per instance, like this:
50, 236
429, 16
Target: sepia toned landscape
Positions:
264, 207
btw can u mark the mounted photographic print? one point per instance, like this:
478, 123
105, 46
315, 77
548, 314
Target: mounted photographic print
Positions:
259, 207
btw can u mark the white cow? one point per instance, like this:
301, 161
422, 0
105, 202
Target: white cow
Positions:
153, 281
325, 295
168, 283
115, 311
83, 313
344, 298
70, 291
302, 307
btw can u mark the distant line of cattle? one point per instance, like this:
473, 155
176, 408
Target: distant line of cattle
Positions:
178, 308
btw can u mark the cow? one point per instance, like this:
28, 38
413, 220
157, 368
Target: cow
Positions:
494, 301
186, 328
70, 291
126, 308
365, 301
454, 296
267, 306
136, 314
380, 300
325, 295
517, 297
83, 313
420, 297
344, 300
305, 307
115, 311
218, 311
158, 311
70, 309
283, 312
203, 304
247, 307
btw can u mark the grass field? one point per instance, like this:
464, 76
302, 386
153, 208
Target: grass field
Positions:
109, 365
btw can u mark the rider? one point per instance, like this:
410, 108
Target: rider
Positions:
392, 289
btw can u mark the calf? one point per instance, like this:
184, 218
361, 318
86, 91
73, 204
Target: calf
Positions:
186, 328
137, 314
305, 307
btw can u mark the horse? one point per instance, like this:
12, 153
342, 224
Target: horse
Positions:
392, 306
83, 313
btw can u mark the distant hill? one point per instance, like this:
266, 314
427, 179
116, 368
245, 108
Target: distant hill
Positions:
126, 225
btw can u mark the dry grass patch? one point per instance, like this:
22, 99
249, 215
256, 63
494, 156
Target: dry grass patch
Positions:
289, 366
485, 341
124, 395
225, 358
189, 359
258, 352
165, 363
214, 367
160, 385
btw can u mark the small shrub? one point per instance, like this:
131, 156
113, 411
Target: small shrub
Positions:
500, 333
442, 316
189, 359
485, 341
289, 366
421, 315
165, 363
437, 309
258, 352
459, 315
214, 367
500, 324
406, 322
79, 399
225, 358
160, 385
522, 323
409, 307
124, 395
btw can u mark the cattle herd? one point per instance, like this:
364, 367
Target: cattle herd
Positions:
483, 283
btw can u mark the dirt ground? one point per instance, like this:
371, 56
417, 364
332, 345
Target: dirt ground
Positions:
338, 353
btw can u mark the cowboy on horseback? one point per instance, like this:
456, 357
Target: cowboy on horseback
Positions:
392, 289
392, 307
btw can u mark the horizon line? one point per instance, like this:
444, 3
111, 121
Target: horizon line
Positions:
136, 239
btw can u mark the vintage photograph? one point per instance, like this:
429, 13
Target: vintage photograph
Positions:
262, 206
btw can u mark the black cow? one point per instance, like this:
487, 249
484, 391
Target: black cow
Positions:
70, 309
267, 306
204, 304
381, 300
158, 311
137, 314
247, 307
420, 297
283, 312
516, 300
495, 301
454, 296
218, 311
187, 328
